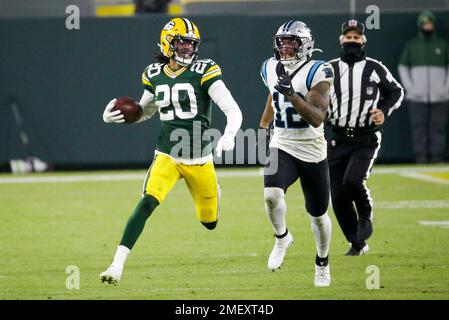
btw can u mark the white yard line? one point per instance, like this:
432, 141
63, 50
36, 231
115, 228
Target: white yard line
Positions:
221, 173
412, 204
442, 224
406, 170
112, 177
425, 177
415, 173
73, 178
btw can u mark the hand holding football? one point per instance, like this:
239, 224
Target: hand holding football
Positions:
131, 110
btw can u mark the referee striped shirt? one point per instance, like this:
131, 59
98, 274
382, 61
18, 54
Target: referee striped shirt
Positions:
360, 87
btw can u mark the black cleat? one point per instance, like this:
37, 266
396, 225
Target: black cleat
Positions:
210, 225
364, 229
356, 251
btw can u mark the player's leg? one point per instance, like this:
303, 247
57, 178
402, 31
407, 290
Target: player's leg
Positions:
133, 229
160, 179
357, 173
202, 183
315, 182
276, 185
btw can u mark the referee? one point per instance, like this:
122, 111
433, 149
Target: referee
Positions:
363, 95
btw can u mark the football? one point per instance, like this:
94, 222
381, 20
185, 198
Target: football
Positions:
131, 110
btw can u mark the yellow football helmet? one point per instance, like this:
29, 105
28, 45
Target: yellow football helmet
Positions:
183, 30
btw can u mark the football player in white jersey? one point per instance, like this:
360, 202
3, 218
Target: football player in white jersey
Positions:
297, 103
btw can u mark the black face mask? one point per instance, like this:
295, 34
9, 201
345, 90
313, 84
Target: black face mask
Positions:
427, 33
352, 51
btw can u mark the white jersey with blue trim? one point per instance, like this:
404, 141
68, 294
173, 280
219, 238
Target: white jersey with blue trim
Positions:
293, 134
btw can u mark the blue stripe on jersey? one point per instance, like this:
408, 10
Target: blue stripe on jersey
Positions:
263, 71
312, 72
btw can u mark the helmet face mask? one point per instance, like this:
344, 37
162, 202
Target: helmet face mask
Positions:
180, 39
293, 32
287, 46
185, 49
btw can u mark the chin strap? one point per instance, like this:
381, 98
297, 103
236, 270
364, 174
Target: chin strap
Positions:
182, 61
293, 62
292, 65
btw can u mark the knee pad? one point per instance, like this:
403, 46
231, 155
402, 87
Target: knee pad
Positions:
273, 196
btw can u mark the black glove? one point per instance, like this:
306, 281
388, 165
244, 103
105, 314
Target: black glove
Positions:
284, 85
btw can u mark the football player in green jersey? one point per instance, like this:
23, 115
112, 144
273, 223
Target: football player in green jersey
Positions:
181, 87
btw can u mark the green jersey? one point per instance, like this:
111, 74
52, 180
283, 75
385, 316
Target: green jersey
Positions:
184, 106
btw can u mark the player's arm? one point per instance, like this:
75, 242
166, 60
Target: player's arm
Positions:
267, 115
146, 102
149, 108
220, 94
314, 107
263, 135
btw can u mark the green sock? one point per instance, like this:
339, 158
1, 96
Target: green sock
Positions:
136, 221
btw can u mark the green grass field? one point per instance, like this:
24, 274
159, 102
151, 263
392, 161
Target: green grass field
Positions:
48, 226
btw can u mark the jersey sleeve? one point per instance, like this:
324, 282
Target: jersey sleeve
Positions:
211, 73
146, 81
324, 73
263, 72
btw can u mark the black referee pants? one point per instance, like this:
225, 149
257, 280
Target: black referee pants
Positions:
350, 162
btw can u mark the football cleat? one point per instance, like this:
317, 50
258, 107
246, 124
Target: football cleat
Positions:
112, 275
277, 255
322, 276
357, 252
